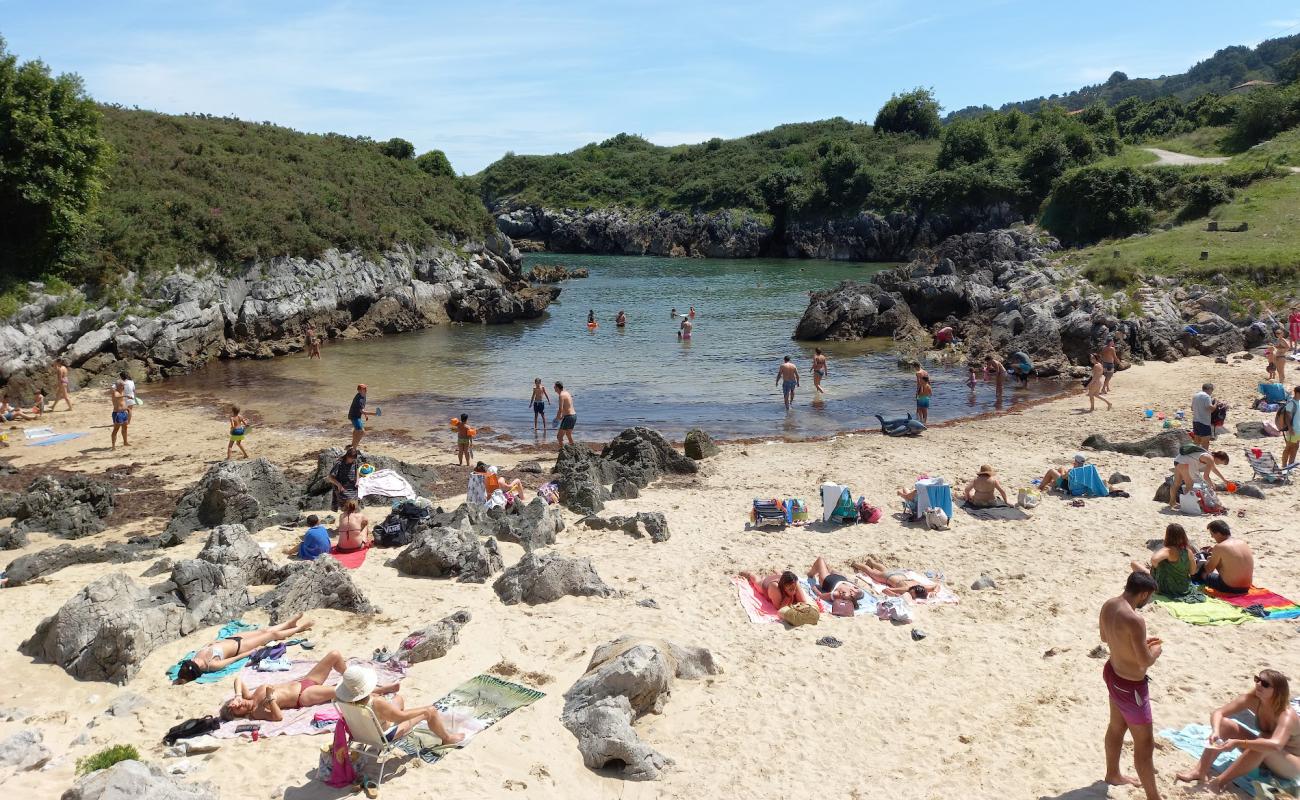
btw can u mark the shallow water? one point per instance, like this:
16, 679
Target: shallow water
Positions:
722, 380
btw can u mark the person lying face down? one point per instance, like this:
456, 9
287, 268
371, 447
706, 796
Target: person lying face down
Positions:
269, 702
781, 588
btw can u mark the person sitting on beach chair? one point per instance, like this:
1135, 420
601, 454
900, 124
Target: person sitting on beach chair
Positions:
984, 490
896, 581
781, 588
222, 653
269, 702
1058, 478
831, 586
359, 685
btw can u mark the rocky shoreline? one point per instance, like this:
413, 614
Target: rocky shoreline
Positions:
190, 317
865, 236
1002, 292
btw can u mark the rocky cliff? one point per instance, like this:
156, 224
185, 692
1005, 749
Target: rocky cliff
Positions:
1001, 293
184, 319
734, 234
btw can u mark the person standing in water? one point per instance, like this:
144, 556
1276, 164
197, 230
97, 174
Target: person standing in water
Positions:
539, 399
819, 370
61, 376
684, 332
691, 314
787, 377
313, 342
464, 441
357, 415
121, 418
673, 314
621, 319
566, 416
591, 316
923, 392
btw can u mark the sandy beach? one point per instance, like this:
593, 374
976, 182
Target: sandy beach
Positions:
1000, 700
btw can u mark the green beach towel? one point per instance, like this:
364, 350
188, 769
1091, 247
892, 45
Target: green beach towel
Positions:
486, 699
231, 628
1210, 612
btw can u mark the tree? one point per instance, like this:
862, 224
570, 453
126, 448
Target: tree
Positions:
53, 160
436, 164
1289, 70
1116, 78
397, 148
964, 142
913, 112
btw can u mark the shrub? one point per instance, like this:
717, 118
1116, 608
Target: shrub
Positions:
399, 149
964, 142
106, 758
912, 112
435, 163
1202, 193
1094, 203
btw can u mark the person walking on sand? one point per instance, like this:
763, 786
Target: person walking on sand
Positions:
357, 415
539, 399
819, 370
787, 377
1202, 415
1095, 385
313, 342
238, 429
1281, 349
923, 392
566, 417
128, 389
121, 417
1132, 653
1109, 359
61, 384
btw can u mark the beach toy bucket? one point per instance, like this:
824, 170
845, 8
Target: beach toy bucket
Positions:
366, 469
1168, 424
1149, 413
1230, 486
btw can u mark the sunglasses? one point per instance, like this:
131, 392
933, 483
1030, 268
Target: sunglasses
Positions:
1263, 682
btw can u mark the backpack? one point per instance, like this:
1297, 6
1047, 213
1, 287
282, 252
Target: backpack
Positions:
191, 728
845, 512
867, 512
268, 653
1284, 417
396, 530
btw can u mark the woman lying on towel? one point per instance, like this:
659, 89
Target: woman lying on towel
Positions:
782, 588
831, 586
896, 581
1277, 746
220, 654
269, 702
983, 492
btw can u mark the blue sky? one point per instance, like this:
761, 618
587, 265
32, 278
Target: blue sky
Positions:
477, 79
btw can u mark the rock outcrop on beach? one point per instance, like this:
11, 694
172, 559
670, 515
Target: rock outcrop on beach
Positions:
534, 526
140, 781
24, 750
184, 319
643, 524
546, 577
554, 273
432, 641
72, 506
637, 455
626, 679
322, 583
253, 493
28, 568
1003, 294
1165, 444
699, 445
317, 492
445, 552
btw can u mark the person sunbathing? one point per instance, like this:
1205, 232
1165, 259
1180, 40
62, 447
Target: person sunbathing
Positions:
983, 492
353, 528
269, 702
782, 588
896, 581
359, 686
1173, 564
222, 653
1276, 746
831, 586
1058, 478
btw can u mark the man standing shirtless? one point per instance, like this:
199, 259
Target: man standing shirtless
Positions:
1132, 653
269, 702
996, 370
566, 417
787, 376
121, 417
1109, 360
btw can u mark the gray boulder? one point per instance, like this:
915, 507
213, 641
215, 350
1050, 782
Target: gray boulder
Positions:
432, 641
25, 569
534, 526
546, 577
650, 524
253, 493
642, 455
624, 489
73, 506
853, 311
104, 631
133, 780
581, 476
24, 750
1118, 477
322, 583
444, 552
317, 491
1250, 490
1250, 430
699, 445
1165, 444
626, 679
213, 593
13, 539
234, 546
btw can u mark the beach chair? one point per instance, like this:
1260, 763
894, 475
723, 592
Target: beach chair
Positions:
368, 740
1266, 468
932, 493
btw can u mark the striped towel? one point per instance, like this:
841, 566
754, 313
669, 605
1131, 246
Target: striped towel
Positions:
1278, 606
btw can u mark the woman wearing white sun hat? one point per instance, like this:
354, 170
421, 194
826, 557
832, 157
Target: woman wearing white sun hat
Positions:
357, 686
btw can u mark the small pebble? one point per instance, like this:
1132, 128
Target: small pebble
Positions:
917, 634
829, 641
648, 603
1098, 652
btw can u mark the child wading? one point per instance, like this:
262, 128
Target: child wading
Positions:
464, 441
238, 429
923, 392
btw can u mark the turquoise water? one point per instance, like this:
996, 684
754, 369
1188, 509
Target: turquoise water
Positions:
722, 380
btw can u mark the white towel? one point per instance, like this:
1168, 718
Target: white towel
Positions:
385, 483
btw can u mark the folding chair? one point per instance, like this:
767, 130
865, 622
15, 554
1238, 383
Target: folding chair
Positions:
367, 734
1266, 468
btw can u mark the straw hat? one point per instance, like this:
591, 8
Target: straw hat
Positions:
985, 469
357, 684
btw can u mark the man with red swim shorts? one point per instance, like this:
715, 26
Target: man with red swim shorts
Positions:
1131, 654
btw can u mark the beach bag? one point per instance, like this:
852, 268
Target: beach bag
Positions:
335, 765
843, 607
796, 510
767, 513
845, 512
1189, 503
395, 531
549, 492
268, 653
867, 512
797, 614
935, 518
894, 609
1209, 501
191, 728
1028, 498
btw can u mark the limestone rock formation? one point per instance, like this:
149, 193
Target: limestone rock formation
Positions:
546, 577
534, 526
25, 569
432, 641
138, 781
252, 493
73, 506
441, 552
322, 583
642, 455
699, 445
650, 524
24, 750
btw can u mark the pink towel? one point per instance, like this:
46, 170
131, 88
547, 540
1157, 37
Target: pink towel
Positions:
756, 605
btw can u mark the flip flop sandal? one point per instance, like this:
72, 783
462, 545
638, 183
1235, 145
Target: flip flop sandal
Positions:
1077, 503
370, 788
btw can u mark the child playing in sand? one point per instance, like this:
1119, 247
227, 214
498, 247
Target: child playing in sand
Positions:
464, 441
238, 429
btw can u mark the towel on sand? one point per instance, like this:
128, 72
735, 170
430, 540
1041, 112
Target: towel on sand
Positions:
996, 513
1278, 606
472, 707
755, 603
55, 439
1191, 740
352, 559
944, 595
298, 721
384, 483
867, 605
232, 628
1210, 612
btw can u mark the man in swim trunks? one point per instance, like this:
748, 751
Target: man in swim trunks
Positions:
996, 370
269, 702
898, 581
61, 375
1202, 412
684, 332
1132, 653
566, 417
222, 653
313, 342
819, 369
357, 415
1108, 360
539, 399
121, 417
787, 377
1229, 565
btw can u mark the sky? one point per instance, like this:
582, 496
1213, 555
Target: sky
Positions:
478, 79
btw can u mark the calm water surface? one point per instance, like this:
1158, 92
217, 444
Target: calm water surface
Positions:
722, 380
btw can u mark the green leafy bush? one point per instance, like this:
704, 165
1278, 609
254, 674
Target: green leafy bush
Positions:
106, 758
911, 112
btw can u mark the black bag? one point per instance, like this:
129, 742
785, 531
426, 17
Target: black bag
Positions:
412, 511
191, 728
396, 530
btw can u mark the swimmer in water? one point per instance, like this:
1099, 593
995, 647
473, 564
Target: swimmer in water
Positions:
591, 317
621, 319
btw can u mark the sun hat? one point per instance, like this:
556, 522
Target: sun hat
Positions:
357, 684
1080, 458
985, 469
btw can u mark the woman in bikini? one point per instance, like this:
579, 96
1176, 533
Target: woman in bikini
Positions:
269, 702
1277, 746
224, 652
831, 586
983, 492
1096, 384
353, 529
819, 370
896, 581
782, 588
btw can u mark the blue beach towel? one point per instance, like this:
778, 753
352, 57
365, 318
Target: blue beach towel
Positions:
938, 497
55, 439
1086, 480
229, 629
1274, 392
1191, 740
